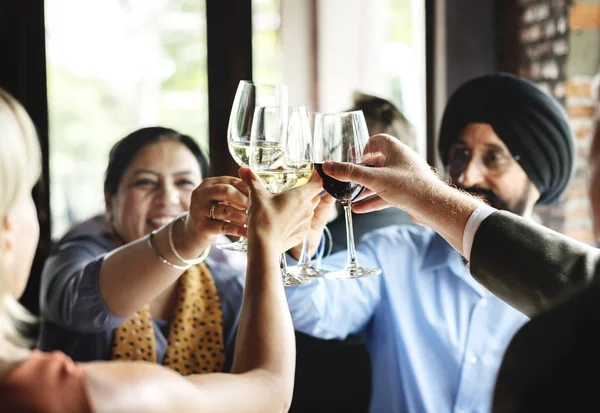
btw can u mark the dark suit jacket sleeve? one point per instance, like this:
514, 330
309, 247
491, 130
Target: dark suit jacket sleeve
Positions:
528, 266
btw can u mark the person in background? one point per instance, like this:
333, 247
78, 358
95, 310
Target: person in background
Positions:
436, 337
37, 382
382, 116
551, 362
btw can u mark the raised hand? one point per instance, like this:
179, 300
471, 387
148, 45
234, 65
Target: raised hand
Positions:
217, 206
396, 175
281, 219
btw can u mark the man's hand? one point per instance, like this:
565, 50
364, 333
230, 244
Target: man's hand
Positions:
401, 178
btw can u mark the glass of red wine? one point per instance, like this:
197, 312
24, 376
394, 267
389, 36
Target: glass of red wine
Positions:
342, 137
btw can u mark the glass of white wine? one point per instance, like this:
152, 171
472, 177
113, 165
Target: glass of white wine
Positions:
299, 146
281, 173
248, 97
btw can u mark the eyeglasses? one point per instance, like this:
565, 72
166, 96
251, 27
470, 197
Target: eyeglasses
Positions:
495, 160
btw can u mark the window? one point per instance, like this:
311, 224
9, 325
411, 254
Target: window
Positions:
372, 46
376, 47
267, 56
115, 66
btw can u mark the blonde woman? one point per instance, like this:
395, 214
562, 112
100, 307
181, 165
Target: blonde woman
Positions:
32, 381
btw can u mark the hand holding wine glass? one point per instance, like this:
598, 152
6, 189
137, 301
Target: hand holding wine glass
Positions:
342, 137
293, 168
399, 175
248, 96
280, 218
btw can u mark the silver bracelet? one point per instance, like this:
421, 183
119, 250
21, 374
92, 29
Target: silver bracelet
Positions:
196, 261
161, 258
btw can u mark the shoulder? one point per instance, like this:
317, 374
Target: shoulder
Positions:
39, 383
81, 247
96, 240
43, 367
74, 253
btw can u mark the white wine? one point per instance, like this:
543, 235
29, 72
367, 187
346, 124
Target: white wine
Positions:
267, 154
286, 178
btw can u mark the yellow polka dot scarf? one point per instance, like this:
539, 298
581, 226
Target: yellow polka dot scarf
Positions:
195, 341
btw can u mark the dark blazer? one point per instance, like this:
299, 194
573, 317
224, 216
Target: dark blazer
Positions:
552, 363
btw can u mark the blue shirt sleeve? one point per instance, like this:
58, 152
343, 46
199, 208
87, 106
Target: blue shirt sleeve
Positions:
319, 253
333, 309
70, 295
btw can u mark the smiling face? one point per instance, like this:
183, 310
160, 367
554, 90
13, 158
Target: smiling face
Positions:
155, 188
480, 163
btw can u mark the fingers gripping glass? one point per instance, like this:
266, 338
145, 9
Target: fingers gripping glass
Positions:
247, 97
280, 160
342, 137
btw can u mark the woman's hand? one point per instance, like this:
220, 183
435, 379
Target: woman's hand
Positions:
281, 220
218, 206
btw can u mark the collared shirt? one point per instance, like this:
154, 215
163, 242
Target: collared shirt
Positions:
436, 338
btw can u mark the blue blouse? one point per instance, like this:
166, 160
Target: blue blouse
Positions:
75, 319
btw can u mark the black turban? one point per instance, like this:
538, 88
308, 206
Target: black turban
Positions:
531, 123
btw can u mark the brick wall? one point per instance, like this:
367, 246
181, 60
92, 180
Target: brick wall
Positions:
558, 47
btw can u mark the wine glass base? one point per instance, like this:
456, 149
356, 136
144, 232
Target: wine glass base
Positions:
293, 281
349, 273
240, 246
299, 271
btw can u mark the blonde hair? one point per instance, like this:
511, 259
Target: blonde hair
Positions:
20, 168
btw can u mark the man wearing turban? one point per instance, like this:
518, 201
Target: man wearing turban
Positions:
503, 138
435, 336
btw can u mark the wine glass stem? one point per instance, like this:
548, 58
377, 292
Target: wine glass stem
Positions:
352, 261
304, 255
283, 263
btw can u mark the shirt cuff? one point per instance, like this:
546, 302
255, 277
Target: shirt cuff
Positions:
482, 212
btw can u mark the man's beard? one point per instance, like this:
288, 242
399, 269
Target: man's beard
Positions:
495, 201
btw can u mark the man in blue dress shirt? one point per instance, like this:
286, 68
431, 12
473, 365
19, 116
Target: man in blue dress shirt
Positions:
435, 336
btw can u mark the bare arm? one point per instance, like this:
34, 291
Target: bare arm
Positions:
264, 358
136, 387
132, 276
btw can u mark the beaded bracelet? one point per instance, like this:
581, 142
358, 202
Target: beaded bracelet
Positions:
196, 261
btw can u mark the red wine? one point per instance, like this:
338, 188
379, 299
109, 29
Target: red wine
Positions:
342, 191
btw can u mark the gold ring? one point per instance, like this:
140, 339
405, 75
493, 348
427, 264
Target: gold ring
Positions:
211, 212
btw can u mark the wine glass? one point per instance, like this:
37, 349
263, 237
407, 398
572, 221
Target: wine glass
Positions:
247, 97
282, 162
299, 147
342, 137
